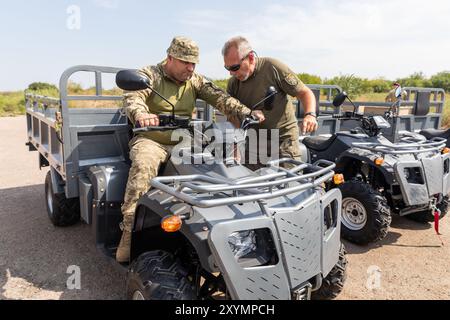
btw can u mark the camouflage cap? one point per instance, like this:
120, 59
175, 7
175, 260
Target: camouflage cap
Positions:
184, 49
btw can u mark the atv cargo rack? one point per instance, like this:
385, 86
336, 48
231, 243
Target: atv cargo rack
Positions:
434, 144
202, 190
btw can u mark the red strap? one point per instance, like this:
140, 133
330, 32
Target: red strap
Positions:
436, 222
436, 225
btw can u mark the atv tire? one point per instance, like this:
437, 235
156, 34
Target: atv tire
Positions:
333, 283
366, 216
156, 275
428, 216
62, 212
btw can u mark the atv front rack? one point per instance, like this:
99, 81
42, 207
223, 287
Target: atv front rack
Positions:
205, 191
413, 147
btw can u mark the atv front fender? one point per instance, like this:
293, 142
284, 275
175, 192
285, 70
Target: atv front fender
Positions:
364, 157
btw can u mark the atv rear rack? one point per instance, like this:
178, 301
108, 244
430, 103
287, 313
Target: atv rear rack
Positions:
202, 190
435, 144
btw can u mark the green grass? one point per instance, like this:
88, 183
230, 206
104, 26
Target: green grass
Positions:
12, 103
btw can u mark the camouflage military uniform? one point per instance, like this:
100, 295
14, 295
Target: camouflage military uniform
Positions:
391, 95
149, 150
271, 72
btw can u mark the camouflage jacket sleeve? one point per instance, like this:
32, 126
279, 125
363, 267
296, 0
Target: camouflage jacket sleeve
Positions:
213, 95
135, 102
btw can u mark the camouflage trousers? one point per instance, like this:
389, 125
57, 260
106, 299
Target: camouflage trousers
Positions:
147, 156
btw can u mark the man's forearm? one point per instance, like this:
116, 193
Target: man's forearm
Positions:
134, 106
308, 100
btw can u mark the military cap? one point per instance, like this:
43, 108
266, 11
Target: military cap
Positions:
185, 49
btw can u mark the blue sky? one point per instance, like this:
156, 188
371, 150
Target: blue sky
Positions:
388, 38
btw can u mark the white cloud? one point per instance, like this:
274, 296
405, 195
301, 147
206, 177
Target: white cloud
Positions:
385, 38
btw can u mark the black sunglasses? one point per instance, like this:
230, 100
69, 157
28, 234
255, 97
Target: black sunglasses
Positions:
236, 67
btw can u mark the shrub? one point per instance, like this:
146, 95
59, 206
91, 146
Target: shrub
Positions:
309, 78
380, 85
40, 86
417, 79
441, 80
354, 86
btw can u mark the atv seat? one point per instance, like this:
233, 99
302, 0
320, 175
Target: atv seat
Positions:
318, 143
433, 133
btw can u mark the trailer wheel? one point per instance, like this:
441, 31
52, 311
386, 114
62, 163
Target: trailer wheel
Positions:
157, 275
62, 212
428, 216
333, 283
366, 216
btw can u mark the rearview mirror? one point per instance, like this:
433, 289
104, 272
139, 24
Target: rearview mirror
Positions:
339, 99
131, 80
270, 96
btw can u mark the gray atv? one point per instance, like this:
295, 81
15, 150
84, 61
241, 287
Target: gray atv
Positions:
214, 229
207, 228
410, 178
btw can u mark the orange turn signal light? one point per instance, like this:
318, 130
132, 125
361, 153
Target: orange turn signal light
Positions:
171, 223
338, 179
379, 161
445, 150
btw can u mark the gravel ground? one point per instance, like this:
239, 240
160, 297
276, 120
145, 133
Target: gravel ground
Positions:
410, 263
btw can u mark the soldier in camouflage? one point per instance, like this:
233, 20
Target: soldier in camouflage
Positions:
176, 80
391, 95
252, 76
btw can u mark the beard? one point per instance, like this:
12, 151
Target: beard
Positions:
243, 77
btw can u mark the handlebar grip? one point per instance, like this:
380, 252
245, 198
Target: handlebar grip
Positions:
248, 121
154, 128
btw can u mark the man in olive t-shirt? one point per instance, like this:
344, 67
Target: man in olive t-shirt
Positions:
252, 76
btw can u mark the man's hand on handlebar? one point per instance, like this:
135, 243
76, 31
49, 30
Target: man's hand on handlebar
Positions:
258, 115
147, 120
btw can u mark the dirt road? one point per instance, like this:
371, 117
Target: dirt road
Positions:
35, 256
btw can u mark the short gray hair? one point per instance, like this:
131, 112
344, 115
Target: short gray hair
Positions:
240, 43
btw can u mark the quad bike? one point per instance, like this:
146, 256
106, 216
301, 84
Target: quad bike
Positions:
206, 228
217, 228
410, 178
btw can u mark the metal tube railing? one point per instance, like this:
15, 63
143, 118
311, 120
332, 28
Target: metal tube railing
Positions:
184, 190
432, 145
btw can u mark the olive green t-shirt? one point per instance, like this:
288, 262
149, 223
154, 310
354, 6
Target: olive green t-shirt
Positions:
183, 96
270, 72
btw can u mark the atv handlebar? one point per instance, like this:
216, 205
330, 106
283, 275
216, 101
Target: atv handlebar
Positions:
248, 122
168, 122
348, 115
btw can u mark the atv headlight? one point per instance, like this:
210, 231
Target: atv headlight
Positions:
253, 248
242, 243
414, 175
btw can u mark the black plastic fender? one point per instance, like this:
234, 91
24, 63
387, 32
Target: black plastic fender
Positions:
363, 156
148, 235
